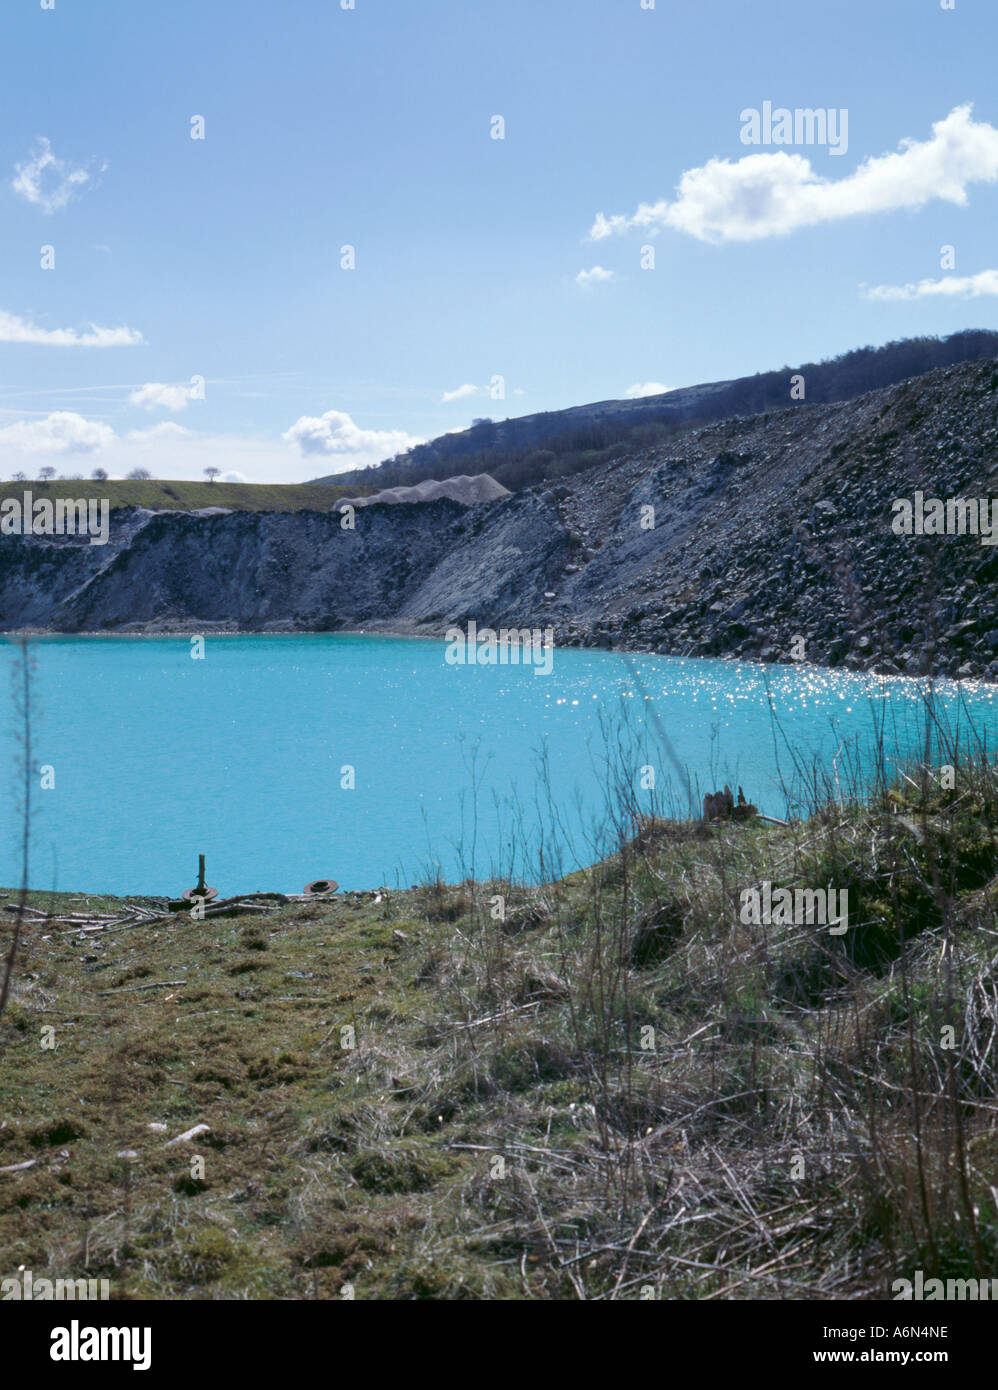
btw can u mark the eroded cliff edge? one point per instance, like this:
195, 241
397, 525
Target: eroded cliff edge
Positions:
765, 530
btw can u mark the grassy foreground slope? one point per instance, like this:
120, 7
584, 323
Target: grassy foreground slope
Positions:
179, 495
617, 1091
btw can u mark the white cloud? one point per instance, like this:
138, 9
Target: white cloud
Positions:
594, 276
17, 330
168, 450
62, 432
461, 393
157, 395
232, 477
48, 182
155, 434
950, 286
765, 195
648, 388
335, 435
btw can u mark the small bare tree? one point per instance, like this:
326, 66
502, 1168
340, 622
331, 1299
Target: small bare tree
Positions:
212, 473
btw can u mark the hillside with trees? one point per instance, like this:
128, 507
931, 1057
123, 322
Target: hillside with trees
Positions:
520, 453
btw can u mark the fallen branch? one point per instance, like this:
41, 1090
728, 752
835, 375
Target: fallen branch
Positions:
188, 1135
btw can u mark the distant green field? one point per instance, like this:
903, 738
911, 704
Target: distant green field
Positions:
190, 496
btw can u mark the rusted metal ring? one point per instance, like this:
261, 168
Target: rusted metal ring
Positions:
320, 886
207, 893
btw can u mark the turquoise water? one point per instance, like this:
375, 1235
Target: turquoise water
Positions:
157, 757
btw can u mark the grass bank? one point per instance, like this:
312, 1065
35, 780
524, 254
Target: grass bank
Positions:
178, 495
609, 1087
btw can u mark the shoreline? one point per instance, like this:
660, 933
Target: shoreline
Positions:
875, 667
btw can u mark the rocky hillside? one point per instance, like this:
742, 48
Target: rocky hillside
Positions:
765, 530
468, 491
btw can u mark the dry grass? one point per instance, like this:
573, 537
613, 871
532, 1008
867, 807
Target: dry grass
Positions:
614, 1089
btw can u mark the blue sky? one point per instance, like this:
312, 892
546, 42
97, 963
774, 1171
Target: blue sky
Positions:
220, 259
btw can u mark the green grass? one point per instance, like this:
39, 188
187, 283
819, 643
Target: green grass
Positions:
604, 1095
174, 495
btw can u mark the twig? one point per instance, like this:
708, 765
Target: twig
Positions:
627, 1254
136, 989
